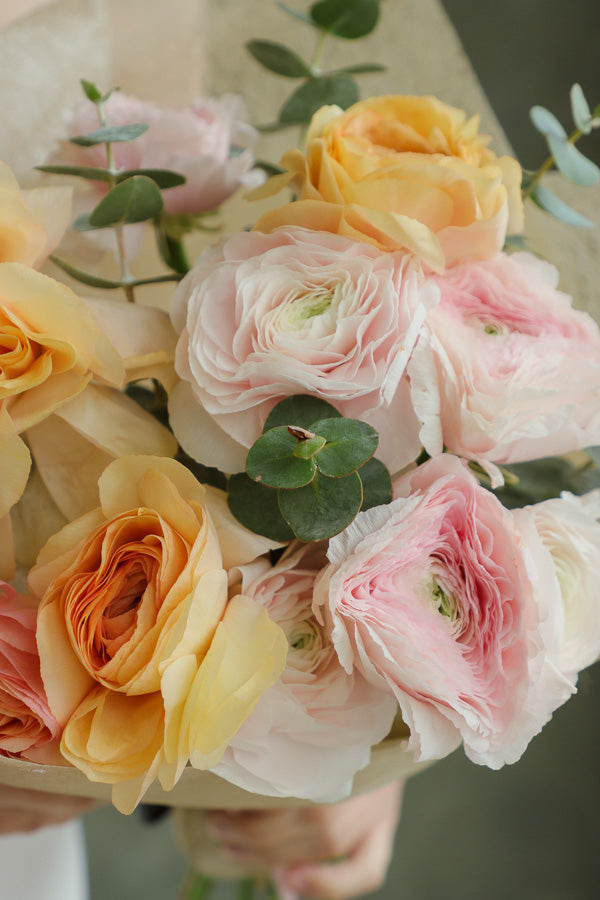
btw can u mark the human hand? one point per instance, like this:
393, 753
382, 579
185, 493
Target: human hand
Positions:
332, 852
25, 810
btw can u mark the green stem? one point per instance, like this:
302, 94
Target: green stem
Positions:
547, 165
196, 887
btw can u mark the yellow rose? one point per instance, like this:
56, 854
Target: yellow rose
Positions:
145, 661
402, 173
31, 222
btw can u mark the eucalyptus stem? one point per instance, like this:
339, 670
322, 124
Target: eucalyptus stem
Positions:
547, 165
196, 887
315, 68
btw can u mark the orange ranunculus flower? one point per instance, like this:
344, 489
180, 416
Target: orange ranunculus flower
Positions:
145, 661
402, 172
31, 222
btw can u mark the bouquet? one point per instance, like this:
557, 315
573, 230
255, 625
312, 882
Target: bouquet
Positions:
341, 488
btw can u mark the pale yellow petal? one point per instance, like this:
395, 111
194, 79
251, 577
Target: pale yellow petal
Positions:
15, 463
7, 550
34, 518
51, 207
118, 484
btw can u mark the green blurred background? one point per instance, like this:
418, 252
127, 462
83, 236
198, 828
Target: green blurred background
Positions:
530, 831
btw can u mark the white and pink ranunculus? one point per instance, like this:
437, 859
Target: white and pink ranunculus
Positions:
28, 730
431, 596
264, 316
563, 537
195, 140
517, 368
312, 731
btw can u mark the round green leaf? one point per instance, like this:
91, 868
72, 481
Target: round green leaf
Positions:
299, 409
580, 110
350, 443
322, 508
134, 200
546, 122
278, 59
346, 18
327, 90
376, 483
271, 461
256, 507
110, 134
572, 163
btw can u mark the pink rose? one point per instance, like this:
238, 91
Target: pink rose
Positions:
28, 730
194, 140
264, 316
563, 537
430, 595
517, 369
312, 731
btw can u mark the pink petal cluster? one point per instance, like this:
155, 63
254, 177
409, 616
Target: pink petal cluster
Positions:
516, 371
264, 316
312, 731
430, 597
194, 140
28, 730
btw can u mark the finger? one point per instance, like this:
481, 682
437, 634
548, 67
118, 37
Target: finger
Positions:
362, 872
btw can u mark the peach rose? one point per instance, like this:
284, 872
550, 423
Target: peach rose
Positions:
402, 172
31, 222
28, 730
144, 661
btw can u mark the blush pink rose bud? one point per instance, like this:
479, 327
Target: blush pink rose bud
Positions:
312, 731
265, 316
28, 730
195, 140
516, 370
431, 597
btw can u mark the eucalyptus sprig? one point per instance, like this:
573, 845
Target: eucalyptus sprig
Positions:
344, 19
133, 196
309, 474
564, 156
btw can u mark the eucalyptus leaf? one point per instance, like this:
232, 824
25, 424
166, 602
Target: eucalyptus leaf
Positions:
92, 173
82, 223
546, 122
135, 200
301, 410
350, 444
580, 109
552, 204
271, 461
307, 449
110, 134
85, 277
594, 455
572, 163
256, 507
303, 17
164, 178
349, 19
543, 479
323, 508
327, 90
90, 90
376, 483
516, 242
279, 59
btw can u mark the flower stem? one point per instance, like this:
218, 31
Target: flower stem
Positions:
548, 164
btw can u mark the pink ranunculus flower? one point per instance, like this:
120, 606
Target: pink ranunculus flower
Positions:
195, 140
563, 537
28, 730
517, 368
264, 316
431, 596
312, 731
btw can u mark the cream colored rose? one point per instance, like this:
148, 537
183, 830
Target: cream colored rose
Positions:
402, 172
144, 660
31, 222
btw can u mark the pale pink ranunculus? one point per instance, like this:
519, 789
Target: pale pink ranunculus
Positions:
516, 370
195, 140
312, 731
264, 316
563, 538
28, 730
431, 596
